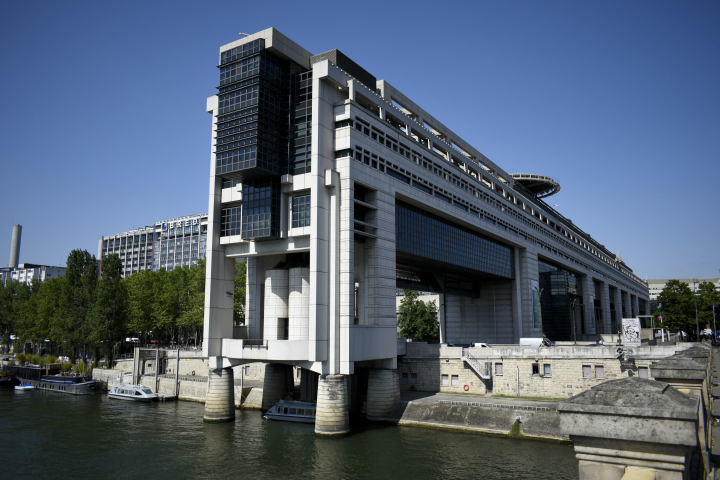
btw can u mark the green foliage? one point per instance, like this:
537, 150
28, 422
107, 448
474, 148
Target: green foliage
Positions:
108, 316
20, 357
81, 368
66, 367
77, 297
707, 295
239, 300
678, 306
78, 312
418, 320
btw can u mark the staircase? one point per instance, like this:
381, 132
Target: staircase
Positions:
482, 369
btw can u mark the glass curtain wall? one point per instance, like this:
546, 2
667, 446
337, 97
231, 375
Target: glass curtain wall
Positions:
561, 303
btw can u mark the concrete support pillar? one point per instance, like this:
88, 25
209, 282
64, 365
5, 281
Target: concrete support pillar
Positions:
605, 302
618, 307
276, 304
441, 318
381, 393
635, 306
396, 384
275, 384
299, 303
332, 413
251, 294
516, 298
529, 281
588, 287
220, 400
627, 304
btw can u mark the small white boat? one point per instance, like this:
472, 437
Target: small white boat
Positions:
135, 393
25, 386
292, 411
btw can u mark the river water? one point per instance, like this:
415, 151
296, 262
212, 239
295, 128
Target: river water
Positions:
49, 435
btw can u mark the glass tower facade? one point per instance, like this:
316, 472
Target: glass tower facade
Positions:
263, 132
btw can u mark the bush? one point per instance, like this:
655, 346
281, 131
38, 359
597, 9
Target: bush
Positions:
66, 367
20, 358
81, 368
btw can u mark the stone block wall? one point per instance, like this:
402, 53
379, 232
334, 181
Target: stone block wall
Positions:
426, 375
422, 369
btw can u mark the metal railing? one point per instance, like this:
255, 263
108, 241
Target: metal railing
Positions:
482, 370
255, 343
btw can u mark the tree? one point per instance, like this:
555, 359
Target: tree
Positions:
418, 320
708, 294
78, 296
141, 288
239, 300
678, 306
107, 320
193, 311
48, 308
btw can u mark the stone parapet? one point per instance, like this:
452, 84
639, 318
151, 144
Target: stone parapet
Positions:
632, 424
332, 412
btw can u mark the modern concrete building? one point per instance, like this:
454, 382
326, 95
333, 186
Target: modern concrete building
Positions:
656, 285
179, 242
27, 272
339, 189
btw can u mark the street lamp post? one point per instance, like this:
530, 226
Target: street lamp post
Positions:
697, 318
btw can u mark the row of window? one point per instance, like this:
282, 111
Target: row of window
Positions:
368, 129
454, 380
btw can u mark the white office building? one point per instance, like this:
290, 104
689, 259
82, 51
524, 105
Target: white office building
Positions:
339, 189
27, 272
178, 242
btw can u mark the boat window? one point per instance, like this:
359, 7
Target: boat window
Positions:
148, 391
138, 393
308, 411
292, 411
285, 410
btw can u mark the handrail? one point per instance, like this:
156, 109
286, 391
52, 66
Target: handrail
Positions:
475, 364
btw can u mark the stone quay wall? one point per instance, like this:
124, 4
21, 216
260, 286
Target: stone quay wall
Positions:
541, 423
559, 372
192, 389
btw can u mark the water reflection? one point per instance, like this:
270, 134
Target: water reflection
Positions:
60, 436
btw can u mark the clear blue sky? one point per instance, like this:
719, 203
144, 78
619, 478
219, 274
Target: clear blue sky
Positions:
103, 125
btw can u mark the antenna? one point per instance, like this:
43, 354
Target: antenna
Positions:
246, 34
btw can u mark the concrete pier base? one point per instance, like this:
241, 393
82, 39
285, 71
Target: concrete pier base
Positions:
381, 393
275, 385
220, 400
332, 416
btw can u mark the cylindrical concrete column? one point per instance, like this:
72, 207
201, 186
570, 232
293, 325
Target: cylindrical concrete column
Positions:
332, 413
15, 246
381, 393
274, 385
276, 304
220, 400
299, 303
396, 384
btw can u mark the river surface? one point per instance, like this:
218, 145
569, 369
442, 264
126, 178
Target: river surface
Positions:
49, 435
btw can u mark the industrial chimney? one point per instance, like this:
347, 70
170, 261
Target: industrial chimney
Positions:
15, 246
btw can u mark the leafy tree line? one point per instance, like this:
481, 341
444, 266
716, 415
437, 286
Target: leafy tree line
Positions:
676, 304
79, 313
418, 320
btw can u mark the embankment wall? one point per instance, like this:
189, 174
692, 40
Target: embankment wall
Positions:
535, 423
